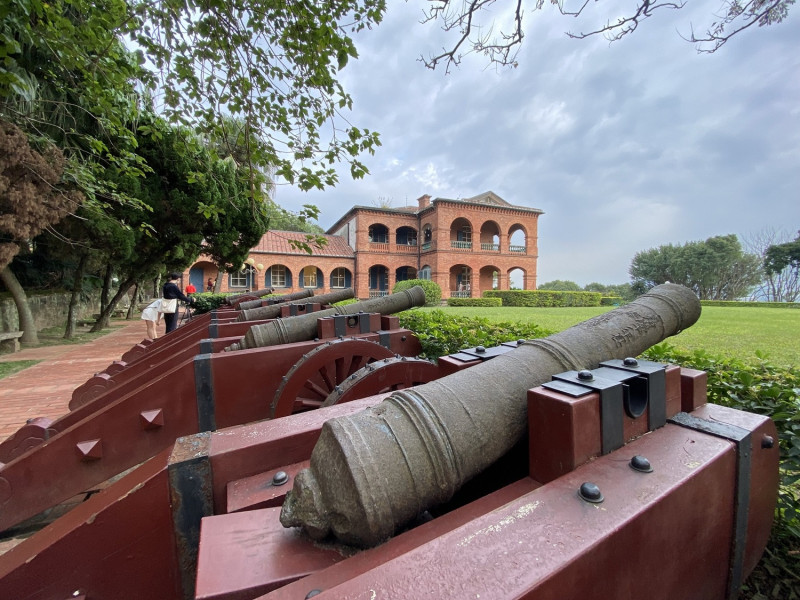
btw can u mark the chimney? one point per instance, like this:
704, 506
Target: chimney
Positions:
424, 201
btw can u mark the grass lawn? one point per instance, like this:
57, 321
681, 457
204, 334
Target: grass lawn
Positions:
9, 368
736, 332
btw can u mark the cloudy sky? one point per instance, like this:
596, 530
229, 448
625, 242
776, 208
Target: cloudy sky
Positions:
624, 146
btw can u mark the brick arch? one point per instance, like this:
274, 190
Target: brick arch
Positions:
378, 232
514, 274
315, 275
490, 234
486, 278
278, 280
513, 237
459, 238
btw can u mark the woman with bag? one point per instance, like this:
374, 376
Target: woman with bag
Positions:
169, 305
152, 315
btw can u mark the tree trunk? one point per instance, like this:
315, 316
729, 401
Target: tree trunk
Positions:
218, 282
134, 302
105, 314
106, 288
26, 322
77, 284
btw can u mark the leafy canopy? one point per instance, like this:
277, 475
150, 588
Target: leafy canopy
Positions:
716, 269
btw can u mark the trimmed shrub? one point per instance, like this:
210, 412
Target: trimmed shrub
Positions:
346, 302
762, 388
611, 301
433, 293
479, 302
750, 304
206, 302
442, 334
544, 298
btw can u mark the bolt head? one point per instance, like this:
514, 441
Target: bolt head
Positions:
641, 464
630, 362
280, 478
590, 492
480, 349
767, 442
585, 375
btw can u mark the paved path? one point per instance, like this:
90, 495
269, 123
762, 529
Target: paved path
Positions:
45, 389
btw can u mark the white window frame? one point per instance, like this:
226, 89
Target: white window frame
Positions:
338, 277
277, 276
240, 279
309, 276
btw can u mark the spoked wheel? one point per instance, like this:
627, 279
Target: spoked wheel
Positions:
385, 375
311, 380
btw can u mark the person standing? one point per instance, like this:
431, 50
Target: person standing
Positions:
171, 291
190, 289
151, 316
210, 286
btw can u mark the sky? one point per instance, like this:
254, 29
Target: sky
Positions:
624, 146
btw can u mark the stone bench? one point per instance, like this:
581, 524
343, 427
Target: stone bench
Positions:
9, 341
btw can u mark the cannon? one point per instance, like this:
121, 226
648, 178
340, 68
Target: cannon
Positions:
270, 300
189, 388
627, 485
304, 327
256, 312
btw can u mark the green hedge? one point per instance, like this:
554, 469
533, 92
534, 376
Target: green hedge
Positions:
543, 298
762, 388
206, 302
611, 301
483, 302
433, 293
750, 304
441, 334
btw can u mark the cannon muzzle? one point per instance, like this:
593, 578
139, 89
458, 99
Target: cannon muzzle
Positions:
255, 293
250, 304
304, 327
374, 471
257, 313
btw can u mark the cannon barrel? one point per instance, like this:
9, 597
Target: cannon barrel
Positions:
251, 304
256, 293
304, 327
257, 313
374, 471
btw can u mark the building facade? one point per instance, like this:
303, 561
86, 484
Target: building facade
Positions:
467, 246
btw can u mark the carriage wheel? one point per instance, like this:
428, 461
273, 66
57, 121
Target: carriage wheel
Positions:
311, 380
386, 375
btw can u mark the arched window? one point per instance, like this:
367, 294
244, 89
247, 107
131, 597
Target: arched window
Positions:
424, 272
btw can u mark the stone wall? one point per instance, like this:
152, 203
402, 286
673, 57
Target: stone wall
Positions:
48, 310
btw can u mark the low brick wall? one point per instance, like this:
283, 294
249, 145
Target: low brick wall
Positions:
48, 310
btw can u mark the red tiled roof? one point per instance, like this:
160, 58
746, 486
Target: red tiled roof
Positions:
277, 242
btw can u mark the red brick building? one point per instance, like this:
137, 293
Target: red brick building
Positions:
466, 246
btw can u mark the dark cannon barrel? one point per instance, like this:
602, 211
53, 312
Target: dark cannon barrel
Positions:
252, 304
374, 471
304, 327
272, 311
256, 293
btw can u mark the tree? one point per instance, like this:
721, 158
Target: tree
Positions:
474, 36
782, 263
776, 285
32, 194
560, 286
716, 269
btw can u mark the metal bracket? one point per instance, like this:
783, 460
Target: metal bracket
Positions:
611, 403
204, 391
384, 338
653, 386
744, 449
206, 345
